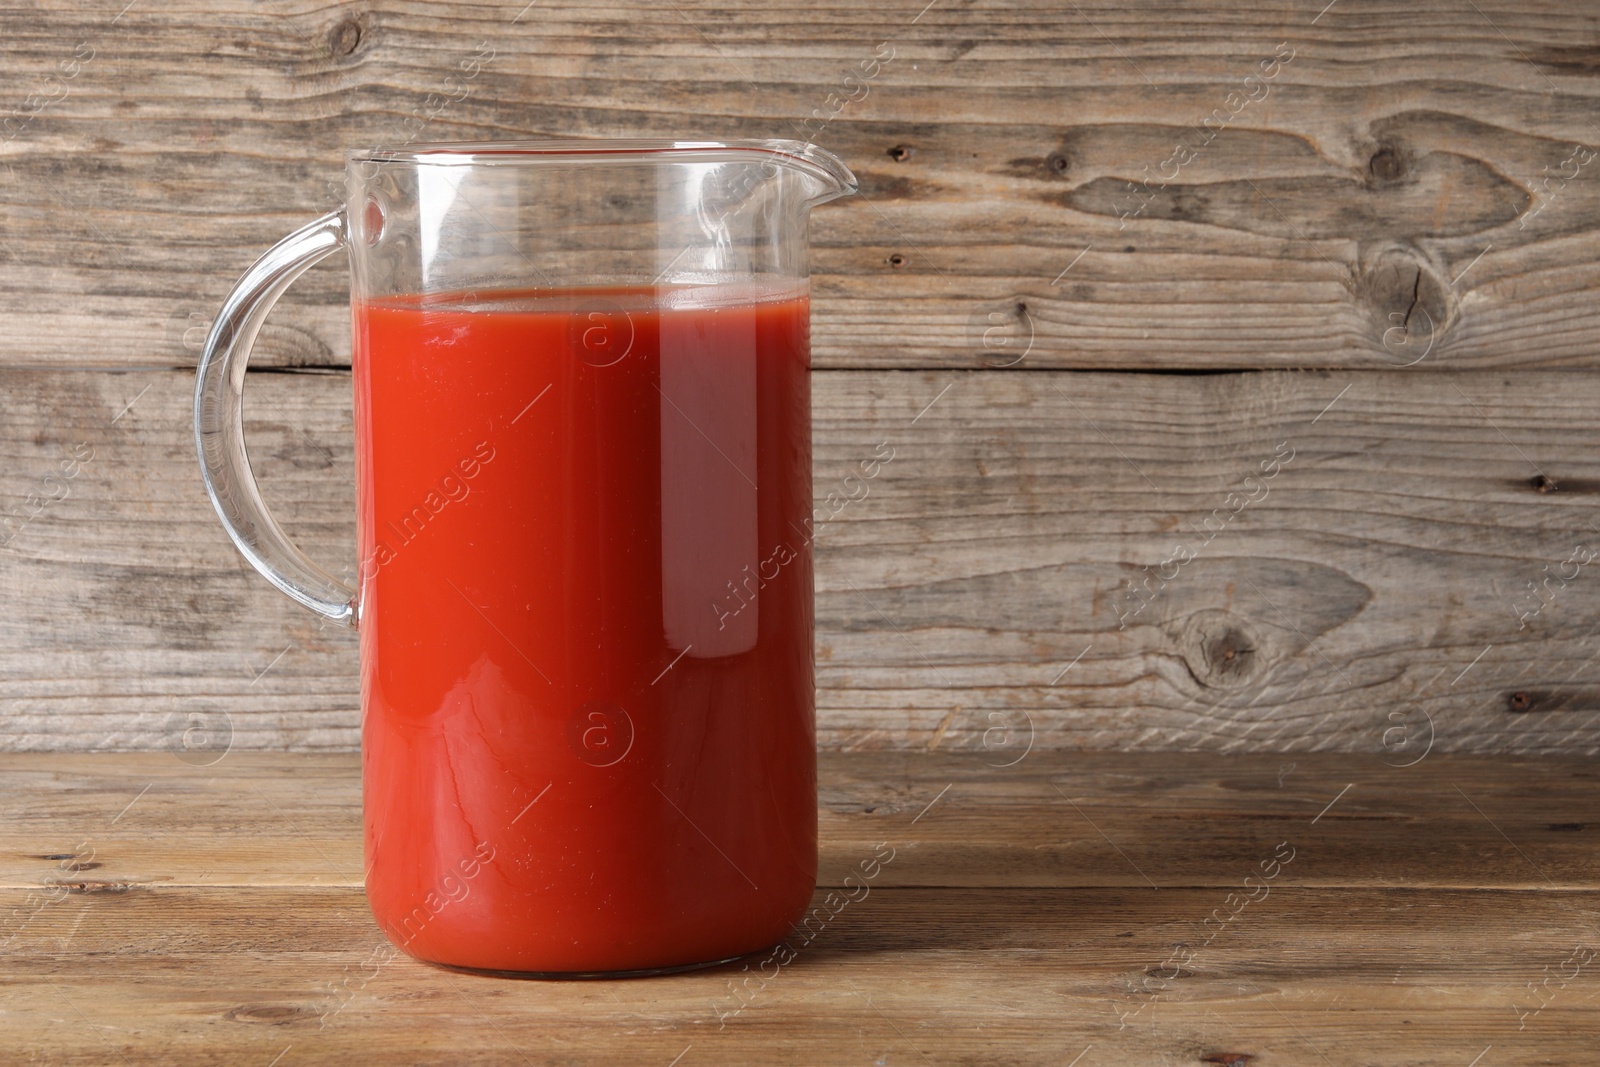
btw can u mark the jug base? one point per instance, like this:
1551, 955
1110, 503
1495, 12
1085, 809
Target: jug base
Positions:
646, 972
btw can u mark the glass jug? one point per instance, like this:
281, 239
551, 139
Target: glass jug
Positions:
584, 585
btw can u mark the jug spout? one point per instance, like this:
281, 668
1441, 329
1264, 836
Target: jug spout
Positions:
825, 175
751, 201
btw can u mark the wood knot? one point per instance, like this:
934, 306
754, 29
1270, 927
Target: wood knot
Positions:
344, 37
1056, 162
1222, 650
1519, 701
96, 887
900, 153
1386, 165
1407, 301
897, 260
1543, 484
1229, 652
271, 1014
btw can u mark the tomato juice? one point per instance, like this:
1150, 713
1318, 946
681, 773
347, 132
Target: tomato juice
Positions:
586, 624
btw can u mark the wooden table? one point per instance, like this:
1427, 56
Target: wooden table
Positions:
1074, 908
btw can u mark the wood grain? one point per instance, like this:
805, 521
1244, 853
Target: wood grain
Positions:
220, 928
1030, 976
1403, 181
1369, 599
1407, 203
1052, 820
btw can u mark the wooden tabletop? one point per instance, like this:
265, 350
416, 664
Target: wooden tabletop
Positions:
1073, 908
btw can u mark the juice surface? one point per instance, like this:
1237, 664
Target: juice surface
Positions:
586, 624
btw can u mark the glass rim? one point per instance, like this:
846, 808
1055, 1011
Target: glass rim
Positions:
802, 155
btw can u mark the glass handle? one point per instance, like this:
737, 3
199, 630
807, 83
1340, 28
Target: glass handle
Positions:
219, 422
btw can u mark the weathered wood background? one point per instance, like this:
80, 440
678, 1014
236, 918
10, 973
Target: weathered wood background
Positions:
1381, 259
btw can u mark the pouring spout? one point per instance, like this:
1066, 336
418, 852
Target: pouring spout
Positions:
829, 177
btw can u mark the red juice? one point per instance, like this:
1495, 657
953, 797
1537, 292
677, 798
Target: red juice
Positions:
586, 624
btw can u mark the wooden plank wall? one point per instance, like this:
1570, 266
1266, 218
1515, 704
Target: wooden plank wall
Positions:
1109, 261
